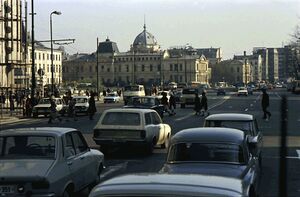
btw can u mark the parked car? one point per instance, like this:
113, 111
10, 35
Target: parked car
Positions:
146, 102
124, 126
244, 122
47, 162
82, 104
221, 91
215, 152
242, 91
112, 97
175, 185
43, 107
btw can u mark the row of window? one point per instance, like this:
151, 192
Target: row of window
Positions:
45, 56
57, 68
123, 59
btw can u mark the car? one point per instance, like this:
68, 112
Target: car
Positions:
250, 90
112, 97
221, 91
242, 91
172, 85
188, 96
43, 107
130, 126
215, 152
47, 161
81, 105
182, 85
146, 102
244, 122
175, 185
160, 94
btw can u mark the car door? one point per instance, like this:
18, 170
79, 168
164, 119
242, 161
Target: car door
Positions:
158, 127
86, 161
149, 126
74, 162
259, 135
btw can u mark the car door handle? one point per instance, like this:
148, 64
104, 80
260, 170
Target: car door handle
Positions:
69, 163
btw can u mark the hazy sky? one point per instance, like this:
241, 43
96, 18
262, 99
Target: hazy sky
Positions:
233, 25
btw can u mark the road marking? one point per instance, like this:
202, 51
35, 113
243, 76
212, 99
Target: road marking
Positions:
277, 95
246, 109
211, 107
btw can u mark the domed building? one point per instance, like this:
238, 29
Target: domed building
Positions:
145, 42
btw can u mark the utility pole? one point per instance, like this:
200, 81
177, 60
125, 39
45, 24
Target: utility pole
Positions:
97, 69
33, 82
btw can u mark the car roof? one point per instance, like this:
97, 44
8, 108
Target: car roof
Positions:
209, 134
230, 116
57, 131
137, 110
170, 185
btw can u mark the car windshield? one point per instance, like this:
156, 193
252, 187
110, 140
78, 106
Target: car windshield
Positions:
121, 118
44, 101
27, 146
206, 152
81, 100
242, 125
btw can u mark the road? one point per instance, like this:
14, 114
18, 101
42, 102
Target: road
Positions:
132, 161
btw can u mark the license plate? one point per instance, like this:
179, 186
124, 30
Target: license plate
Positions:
7, 189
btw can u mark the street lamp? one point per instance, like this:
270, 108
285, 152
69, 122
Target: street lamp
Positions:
52, 69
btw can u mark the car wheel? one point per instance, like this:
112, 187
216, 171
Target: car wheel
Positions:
252, 192
166, 143
68, 192
150, 147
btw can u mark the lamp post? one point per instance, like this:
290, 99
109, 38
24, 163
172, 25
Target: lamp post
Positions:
52, 69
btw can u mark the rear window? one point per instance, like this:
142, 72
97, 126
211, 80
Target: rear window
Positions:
200, 152
189, 91
245, 126
121, 118
26, 146
44, 101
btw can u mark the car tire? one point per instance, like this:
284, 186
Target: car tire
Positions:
68, 192
150, 147
166, 143
252, 192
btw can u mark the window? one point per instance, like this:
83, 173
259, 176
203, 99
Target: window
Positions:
148, 118
176, 67
155, 118
121, 118
119, 68
180, 67
127, 68
79, 143
171, 67
143, 68
102, 68
151, 67
69, 147
238, 69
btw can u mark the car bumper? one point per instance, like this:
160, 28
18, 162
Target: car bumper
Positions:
109, 101
119, 142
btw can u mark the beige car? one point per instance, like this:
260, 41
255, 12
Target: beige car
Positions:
131, 126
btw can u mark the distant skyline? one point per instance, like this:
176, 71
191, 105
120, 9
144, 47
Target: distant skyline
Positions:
233, 25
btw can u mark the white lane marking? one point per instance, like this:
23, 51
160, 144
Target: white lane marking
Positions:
209, 108
246, 109
277, 95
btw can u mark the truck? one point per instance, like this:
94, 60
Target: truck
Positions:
131, 91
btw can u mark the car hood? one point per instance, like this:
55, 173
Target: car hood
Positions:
226, 170
24, 168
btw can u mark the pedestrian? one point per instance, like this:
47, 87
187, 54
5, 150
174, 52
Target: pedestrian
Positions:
197, 104
164, 101
71, 110
92, 106
53, 111
203, 104
28, 106
11, 103
172, 103
265, 104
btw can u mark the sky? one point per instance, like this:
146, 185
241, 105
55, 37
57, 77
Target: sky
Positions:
233, 25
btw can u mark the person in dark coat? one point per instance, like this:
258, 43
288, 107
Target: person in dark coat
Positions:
197, 104
92, 106
53, 111
172, 104
265, 105
204, 104
164, 101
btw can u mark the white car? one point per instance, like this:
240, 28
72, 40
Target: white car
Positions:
82, 104
43, 107
112, 97
131, 126
47, 162
242, 91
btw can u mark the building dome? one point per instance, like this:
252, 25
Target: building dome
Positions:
145, 41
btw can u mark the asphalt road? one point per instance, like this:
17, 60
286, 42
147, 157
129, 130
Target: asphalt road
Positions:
133, 161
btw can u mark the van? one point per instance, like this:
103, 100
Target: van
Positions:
131, 91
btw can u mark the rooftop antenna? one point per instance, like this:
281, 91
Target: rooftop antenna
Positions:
144, 22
